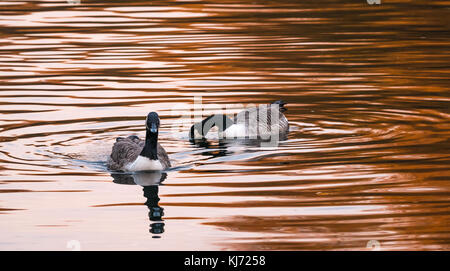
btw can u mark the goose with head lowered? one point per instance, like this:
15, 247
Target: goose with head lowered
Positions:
132, 154
260, 122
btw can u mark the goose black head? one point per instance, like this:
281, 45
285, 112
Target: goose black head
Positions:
152, 122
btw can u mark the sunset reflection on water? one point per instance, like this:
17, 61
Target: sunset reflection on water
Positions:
367, 157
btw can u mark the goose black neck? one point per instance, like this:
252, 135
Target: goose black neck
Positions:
151, 145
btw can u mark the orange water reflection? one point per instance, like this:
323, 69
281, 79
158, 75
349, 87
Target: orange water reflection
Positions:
366, 159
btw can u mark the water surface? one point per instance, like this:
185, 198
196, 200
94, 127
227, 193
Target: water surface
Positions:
366, 160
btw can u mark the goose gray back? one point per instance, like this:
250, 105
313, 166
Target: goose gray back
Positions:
260, 122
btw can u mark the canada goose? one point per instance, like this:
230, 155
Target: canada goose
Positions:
254, 123
133, 154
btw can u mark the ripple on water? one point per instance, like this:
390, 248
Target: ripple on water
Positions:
366, 157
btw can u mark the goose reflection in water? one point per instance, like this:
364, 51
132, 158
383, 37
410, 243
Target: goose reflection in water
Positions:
150, 182
212, 150
224, 147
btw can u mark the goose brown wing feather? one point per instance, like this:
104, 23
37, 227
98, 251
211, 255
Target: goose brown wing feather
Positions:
124, 151
163, 157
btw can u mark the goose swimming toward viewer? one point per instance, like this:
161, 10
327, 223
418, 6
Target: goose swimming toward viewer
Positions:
133, 154
258, 122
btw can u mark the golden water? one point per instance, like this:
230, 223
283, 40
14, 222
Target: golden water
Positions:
367, 159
